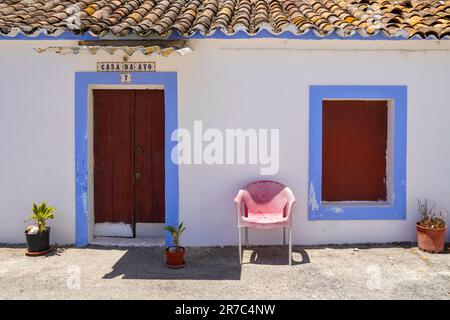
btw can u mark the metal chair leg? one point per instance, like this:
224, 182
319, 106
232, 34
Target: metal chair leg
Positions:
240, 246
284, 237
290, 246
246, 237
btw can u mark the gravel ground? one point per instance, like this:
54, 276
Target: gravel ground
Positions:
396, 271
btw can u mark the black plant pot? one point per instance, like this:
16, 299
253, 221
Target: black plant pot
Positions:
38, 242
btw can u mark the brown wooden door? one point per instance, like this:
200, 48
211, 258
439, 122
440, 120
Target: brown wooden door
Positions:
129, 156
354, 150
149, 156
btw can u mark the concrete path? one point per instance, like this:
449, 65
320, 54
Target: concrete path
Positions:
332, 272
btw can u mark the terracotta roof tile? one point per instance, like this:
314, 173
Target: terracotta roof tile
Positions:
422, 18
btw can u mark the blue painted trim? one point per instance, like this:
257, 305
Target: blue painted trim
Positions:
394, 211
82, 82
263, 34
67, 35
310, 35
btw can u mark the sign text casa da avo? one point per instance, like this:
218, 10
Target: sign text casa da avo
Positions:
126, 66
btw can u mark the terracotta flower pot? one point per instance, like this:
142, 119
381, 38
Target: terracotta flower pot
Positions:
175, 258
430, 239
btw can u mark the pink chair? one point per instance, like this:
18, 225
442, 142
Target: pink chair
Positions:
265, 205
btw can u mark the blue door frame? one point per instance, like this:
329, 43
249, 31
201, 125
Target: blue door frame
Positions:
83, 80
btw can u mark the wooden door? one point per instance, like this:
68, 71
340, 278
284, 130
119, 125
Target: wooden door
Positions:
149, 156
354, 150
129, 156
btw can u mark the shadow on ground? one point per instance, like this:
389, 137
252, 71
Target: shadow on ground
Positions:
276, 255
212, 263
149, 263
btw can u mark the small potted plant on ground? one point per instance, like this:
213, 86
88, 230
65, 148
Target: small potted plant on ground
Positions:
175, 253
38, 236
430, 229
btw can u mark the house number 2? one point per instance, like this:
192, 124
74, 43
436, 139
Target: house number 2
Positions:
125, 77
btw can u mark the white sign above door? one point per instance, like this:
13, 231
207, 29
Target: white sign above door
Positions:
126, 66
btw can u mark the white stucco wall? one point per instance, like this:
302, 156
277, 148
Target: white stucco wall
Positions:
226, 84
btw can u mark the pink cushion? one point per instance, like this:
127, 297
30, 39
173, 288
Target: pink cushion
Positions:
264, 205
264, 217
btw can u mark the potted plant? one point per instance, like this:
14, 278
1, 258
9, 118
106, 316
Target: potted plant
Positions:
431, 228
38, 236
175, 253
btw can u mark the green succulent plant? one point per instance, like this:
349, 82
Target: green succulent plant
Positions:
41, 214
176, 232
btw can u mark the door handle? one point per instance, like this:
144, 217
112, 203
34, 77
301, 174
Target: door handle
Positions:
137, 175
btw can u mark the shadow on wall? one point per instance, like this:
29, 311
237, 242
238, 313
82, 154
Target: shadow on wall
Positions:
201, 263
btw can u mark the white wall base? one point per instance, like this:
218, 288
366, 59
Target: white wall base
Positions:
143, 230
149, 230
128, 242
108, 229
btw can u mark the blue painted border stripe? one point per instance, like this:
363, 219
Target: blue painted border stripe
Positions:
63, 36
310, 35
82, 82
263, 34
397, 210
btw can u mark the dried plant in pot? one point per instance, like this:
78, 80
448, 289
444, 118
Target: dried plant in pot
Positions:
38, 236
431, 228
175, 253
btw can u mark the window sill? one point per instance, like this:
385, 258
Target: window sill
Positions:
356, 204
357, 210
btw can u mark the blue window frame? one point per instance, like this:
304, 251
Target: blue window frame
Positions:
393, 209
